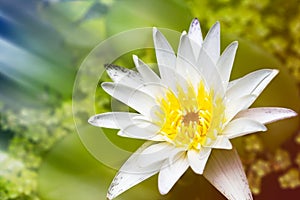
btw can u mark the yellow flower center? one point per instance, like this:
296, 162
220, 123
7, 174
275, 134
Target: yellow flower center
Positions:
190, 119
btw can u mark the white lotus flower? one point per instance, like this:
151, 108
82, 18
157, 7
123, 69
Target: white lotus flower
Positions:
189, 110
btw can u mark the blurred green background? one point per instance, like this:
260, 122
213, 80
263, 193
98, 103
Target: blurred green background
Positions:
43, 44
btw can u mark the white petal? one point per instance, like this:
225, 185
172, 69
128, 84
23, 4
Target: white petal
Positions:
156, 153
123, 75
252, 83
242, 126
186, 66
197, 159
184, 50
140, 130
170, 174
195, 35
136, 99
115, 120
232, 83
195, 32
166, 58
158, 137
155, 90
151, 88
234, 106
124, 181
267, 115
134, 166
131, 174
209, 71
212, 42
225, 171
222, 142
258, 90
225, 62
145, 71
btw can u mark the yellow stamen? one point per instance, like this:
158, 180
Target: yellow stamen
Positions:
191, 119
